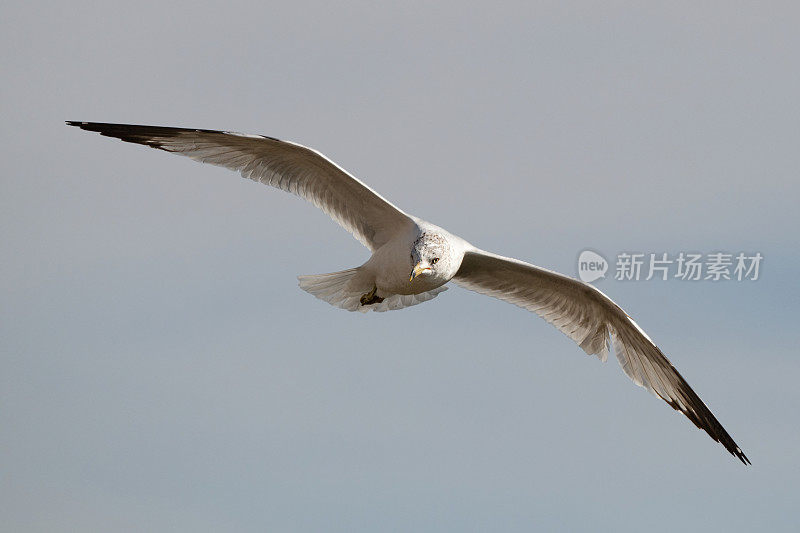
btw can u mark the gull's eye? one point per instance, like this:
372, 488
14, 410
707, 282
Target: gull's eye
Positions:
435, 260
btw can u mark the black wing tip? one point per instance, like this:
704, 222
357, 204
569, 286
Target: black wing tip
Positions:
701, 416
108, 127
704, 419
741, 456
136, 133
146, 135
90, 126
695, 409
718, 433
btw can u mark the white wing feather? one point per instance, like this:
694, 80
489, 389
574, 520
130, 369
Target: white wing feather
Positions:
285, 165
594, 322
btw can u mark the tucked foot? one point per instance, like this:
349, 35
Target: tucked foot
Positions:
371, 298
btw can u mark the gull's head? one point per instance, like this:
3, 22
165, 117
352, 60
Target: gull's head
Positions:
431, 256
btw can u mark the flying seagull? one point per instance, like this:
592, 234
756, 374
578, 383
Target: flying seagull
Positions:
412, 259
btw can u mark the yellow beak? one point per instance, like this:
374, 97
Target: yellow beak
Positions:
419, 269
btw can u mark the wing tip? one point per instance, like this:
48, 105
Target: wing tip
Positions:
140, 134
739, 454
704, 419
145, 135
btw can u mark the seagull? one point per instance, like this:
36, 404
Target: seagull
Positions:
412, 260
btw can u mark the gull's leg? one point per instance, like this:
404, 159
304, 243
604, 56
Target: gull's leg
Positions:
371, 297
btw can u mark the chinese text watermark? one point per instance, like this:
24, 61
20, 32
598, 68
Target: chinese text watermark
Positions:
685, 266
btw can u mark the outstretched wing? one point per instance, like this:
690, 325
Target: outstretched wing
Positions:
594, 321
285, 165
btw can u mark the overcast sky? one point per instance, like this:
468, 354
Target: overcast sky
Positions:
161, 370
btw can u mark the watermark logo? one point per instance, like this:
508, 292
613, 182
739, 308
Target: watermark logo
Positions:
591, 266
684, 266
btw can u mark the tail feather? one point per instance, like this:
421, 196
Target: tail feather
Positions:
335, 288
344, 290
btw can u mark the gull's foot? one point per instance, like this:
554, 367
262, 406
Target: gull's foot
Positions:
371, 297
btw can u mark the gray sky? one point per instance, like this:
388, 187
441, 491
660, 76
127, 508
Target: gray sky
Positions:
162, 371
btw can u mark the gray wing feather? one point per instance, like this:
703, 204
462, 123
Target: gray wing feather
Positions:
595, 323
282, 164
